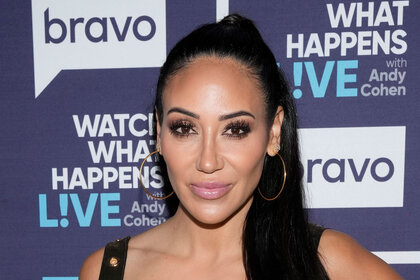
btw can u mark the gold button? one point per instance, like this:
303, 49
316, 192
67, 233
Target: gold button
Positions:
113, 262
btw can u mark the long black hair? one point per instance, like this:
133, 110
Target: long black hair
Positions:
277, 241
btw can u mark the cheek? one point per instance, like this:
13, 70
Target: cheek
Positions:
247, 158
178, 157
248, 165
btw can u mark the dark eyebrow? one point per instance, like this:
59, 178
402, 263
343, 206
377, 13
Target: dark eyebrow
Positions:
236, 114
183, 111
221, 118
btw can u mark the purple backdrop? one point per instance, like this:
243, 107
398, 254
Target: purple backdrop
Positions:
76, 100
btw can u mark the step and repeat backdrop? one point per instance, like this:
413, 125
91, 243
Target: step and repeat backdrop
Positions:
77, 87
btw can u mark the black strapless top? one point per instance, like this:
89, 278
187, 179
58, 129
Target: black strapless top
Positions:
115, 255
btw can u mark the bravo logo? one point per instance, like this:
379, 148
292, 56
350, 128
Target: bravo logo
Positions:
96, 34
354, 166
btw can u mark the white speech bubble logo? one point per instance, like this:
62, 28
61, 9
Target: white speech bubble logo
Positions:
96, 34
353, 166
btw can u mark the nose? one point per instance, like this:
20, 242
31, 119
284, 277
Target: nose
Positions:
209, 160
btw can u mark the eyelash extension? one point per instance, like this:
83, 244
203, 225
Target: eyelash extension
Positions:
240, 125
184, 124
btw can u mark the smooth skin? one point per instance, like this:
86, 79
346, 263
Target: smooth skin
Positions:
214, 129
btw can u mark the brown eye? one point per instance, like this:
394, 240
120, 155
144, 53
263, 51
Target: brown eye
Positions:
237, 129
185, 129
182, 128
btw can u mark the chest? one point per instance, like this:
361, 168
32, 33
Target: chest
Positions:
182, 268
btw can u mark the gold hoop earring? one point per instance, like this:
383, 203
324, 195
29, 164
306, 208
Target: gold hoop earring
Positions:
141, 180
282, 185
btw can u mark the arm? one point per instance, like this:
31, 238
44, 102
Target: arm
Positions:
343, 258
92, 266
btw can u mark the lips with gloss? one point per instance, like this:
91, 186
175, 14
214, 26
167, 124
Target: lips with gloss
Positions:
210, 190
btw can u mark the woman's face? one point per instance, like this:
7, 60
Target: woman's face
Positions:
214, 137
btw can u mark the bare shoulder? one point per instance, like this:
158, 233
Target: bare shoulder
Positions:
344, 258
92, 266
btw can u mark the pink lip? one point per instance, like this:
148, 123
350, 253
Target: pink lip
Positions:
210, 190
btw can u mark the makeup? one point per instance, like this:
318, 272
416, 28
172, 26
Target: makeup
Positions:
210, 190
237, 129
182, 128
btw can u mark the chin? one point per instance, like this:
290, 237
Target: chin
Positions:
215, 215
216, 218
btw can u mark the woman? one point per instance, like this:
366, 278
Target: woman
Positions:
226, 133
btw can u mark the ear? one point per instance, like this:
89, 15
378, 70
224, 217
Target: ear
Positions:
275, 132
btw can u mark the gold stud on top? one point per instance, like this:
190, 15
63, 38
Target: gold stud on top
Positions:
113, 262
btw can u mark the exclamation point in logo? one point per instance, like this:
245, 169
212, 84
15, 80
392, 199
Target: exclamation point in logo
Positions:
64, 222
297, 77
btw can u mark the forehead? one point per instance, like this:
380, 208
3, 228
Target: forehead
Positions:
211, 85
